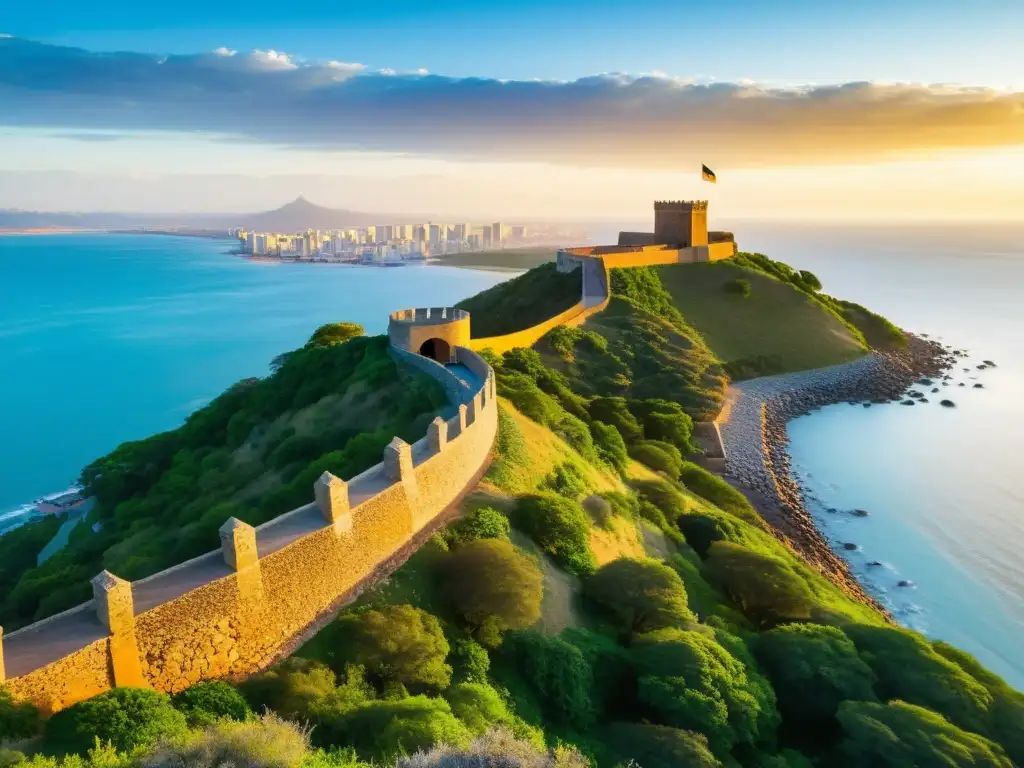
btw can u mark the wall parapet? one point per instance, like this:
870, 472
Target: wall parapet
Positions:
233, 610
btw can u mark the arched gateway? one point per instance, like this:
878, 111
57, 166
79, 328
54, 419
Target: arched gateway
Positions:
432, 332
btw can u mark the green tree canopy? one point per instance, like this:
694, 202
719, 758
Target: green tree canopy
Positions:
642, 594
559, 527
690, 680
397, 644
657, 746
901, 735
813, 669
558, 674
209, 701
767, 590
489, 582
334, 333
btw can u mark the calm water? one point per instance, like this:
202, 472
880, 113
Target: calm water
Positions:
945, 487
107, 338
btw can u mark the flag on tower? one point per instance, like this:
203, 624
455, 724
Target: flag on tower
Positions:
707, 174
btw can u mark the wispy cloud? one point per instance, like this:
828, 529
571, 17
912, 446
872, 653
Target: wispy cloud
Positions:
651, 121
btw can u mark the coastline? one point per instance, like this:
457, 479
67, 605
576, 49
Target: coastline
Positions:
753, 427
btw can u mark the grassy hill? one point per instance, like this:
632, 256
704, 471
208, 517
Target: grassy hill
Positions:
252, 453
524, 301
785, 327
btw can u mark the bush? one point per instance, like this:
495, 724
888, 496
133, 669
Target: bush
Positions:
657, 746
18, 720
659, 456
470, 661
738, 287
766, 589
498, 748
615, 412
566, 480
664, 495
481, 523
810, 280
479, 706
813, 669
642, 595
713, 488
610, 446
294, 688
379, 730
334, 333
701, 531
559, 527
693, 682
125, 717
901, 734
492, 587
268, 742
398, 644
207, 702
665, 421
557, 673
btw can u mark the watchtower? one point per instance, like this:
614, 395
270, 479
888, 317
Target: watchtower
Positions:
681, 223
433, 332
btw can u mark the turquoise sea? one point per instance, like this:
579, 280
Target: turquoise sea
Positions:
110, 338
107, 338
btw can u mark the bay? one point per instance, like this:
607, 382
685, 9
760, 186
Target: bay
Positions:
107, 338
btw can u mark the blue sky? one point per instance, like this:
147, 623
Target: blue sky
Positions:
971, 41
135, 105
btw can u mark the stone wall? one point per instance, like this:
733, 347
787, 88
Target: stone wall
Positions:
457, 390
284, 575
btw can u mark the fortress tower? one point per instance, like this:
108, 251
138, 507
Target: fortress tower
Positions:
682, 223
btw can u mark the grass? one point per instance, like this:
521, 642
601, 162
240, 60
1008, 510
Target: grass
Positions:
522, 302
782, 326
526, 257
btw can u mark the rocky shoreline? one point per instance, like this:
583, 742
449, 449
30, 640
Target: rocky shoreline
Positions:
756, 443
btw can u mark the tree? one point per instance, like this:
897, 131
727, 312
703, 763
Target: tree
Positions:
766, 589
489, 582
209, 701
901, 735
334, 333
664, 420
690, 681
558, 674
294, 688
810, 280
813, 669
909, 669
18, 720
657, 746
559, 527
470, 661
481, 523
642, 594
479, 706
125, 717
398, 644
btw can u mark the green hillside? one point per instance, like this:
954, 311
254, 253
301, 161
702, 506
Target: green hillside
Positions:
521, 302
252, 453
785, 328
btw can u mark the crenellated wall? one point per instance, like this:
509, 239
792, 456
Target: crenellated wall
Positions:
234, 611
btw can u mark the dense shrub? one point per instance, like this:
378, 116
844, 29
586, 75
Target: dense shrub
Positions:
737, 287
665, 421
18, 720
470, 661
566, 480
813, 669
479, 707
492, 586
480, 523
642, 595
268, 742
615, 412
664, 495
209, 701
398, 644
716, 490
658, 455
610, 446
557, 673
125, 717
901, 734
559, 527
767, 590
657, 746
810, 280
908, 668
294, 688
691, 681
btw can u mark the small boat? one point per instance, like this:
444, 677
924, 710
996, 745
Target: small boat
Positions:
65, 501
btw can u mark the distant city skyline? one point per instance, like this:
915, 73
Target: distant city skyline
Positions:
909, 110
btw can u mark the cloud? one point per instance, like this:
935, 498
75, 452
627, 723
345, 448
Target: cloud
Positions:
649, 121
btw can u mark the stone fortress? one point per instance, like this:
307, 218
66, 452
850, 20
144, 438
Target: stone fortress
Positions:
239, 608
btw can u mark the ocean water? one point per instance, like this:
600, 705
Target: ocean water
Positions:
944, 487
107, 338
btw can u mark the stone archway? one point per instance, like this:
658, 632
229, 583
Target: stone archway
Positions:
436, 349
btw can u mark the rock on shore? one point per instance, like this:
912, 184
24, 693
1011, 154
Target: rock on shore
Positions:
756, 442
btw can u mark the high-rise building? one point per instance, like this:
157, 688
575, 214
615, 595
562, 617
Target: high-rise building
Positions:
497, 233
250, 242
435, 234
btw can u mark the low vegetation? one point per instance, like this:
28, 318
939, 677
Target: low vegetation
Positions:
523, 301
717, 646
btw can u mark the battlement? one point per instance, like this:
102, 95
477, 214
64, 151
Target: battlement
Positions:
680, 205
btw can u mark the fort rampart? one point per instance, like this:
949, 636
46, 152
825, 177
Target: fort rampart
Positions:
232, 611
